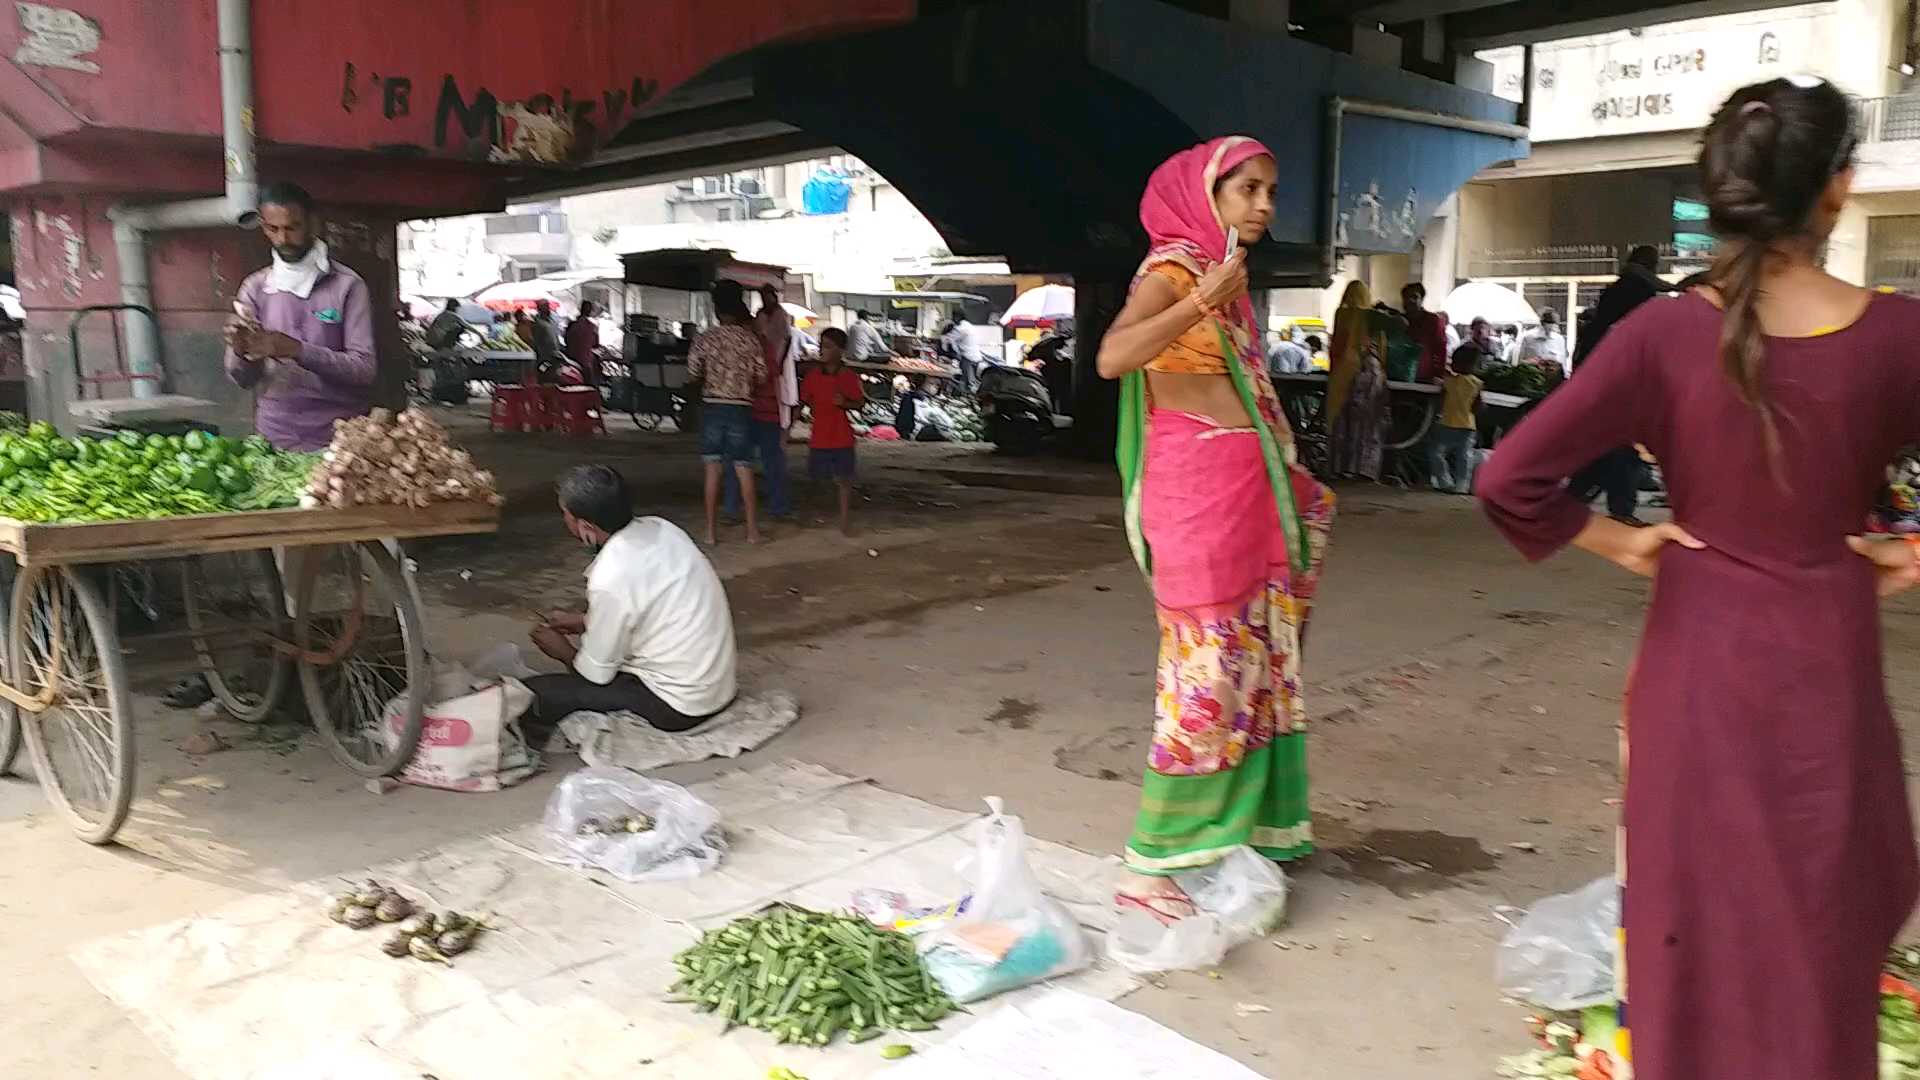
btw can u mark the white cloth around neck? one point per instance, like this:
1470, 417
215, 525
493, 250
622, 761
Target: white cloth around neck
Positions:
300, 276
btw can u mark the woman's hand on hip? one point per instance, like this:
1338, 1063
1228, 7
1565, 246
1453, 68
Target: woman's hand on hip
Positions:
1896, 563
1635, 548
1224, 283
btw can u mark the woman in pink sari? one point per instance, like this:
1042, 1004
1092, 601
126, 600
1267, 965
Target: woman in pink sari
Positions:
1227, 524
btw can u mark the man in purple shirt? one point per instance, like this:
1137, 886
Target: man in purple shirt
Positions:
302, 334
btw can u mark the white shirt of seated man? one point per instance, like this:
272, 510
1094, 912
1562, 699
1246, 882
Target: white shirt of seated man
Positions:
656, 609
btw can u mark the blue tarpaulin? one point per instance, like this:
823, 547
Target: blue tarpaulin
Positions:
826, 193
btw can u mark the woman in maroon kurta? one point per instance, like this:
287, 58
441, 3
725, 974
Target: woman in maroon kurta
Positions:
1769, 850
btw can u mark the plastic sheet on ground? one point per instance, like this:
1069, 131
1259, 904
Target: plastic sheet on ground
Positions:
1063, 1035
624, 740
573, 982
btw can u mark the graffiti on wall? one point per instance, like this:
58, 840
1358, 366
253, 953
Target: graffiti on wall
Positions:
1394, 173
543, 128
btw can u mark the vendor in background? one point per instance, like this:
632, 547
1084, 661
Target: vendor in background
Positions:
301, 337
1543, 346
545, 342
1288, 357
864, 342
583, 343
1480, 333
657, 636
445, 330
957, 343
1428, 330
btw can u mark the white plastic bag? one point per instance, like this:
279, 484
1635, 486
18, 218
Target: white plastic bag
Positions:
1013, 933
1239, 898
685, 840
469, 741
1560, 954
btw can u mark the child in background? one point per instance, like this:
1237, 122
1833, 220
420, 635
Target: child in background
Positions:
829, 391
1450, 443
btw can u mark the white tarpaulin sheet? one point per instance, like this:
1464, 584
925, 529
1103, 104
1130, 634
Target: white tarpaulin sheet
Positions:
572, 982
1063, 1035
625, 741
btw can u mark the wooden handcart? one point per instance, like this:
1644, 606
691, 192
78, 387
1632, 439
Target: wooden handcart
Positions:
349, 627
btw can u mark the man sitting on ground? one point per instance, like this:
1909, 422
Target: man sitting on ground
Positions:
657, 636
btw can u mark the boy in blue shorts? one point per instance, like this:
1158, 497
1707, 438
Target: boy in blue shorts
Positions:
830, 391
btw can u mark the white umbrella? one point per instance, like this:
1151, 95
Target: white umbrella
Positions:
1040, 307
802, 317
1484, 300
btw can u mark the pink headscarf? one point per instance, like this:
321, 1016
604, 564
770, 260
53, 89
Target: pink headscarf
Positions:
1178, 210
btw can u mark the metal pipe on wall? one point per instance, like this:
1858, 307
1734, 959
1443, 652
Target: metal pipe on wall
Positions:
235, 206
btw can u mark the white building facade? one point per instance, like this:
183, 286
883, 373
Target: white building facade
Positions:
851, 231
1616, 121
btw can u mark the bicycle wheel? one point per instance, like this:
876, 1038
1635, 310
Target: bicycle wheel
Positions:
233, 600
357, 591
82, 744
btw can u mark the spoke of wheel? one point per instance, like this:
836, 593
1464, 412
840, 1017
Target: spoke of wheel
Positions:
86, 711
100, 781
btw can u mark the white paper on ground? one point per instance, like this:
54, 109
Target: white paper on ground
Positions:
624, 740
1064, 1035
573, 981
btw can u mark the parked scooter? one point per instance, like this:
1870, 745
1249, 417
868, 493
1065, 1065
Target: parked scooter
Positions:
1018, 408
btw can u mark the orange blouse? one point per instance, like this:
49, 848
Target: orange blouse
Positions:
1196, 352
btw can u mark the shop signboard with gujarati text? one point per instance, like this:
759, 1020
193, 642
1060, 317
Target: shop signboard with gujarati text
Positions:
1662, 78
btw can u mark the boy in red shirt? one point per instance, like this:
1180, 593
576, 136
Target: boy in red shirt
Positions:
829, 391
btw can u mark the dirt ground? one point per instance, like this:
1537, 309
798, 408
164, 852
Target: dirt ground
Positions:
984, 634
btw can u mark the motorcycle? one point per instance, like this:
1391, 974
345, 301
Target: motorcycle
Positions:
1018, 408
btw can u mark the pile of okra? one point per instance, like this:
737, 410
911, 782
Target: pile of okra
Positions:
806, 976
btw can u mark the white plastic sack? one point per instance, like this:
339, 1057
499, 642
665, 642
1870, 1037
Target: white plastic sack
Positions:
685, 840
469, 741
1239, 898
1560, 954
1012, 933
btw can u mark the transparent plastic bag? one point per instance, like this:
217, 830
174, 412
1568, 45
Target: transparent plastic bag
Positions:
884, 907
1560, 954
1013, 933
1239, 898
685, 840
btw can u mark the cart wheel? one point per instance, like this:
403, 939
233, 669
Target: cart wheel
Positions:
233, 599
82, 744
386, 659
9, 712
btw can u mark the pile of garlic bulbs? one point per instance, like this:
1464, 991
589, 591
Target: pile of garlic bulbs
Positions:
386, 460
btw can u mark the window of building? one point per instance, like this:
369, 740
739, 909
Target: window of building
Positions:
1893, 252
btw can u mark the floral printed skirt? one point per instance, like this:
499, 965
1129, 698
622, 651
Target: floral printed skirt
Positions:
1228, 763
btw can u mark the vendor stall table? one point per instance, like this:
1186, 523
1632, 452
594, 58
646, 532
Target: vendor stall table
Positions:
499, 368
354, 634
1411, 406
906, 366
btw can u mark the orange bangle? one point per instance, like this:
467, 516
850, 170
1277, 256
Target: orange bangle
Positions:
1206, 312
